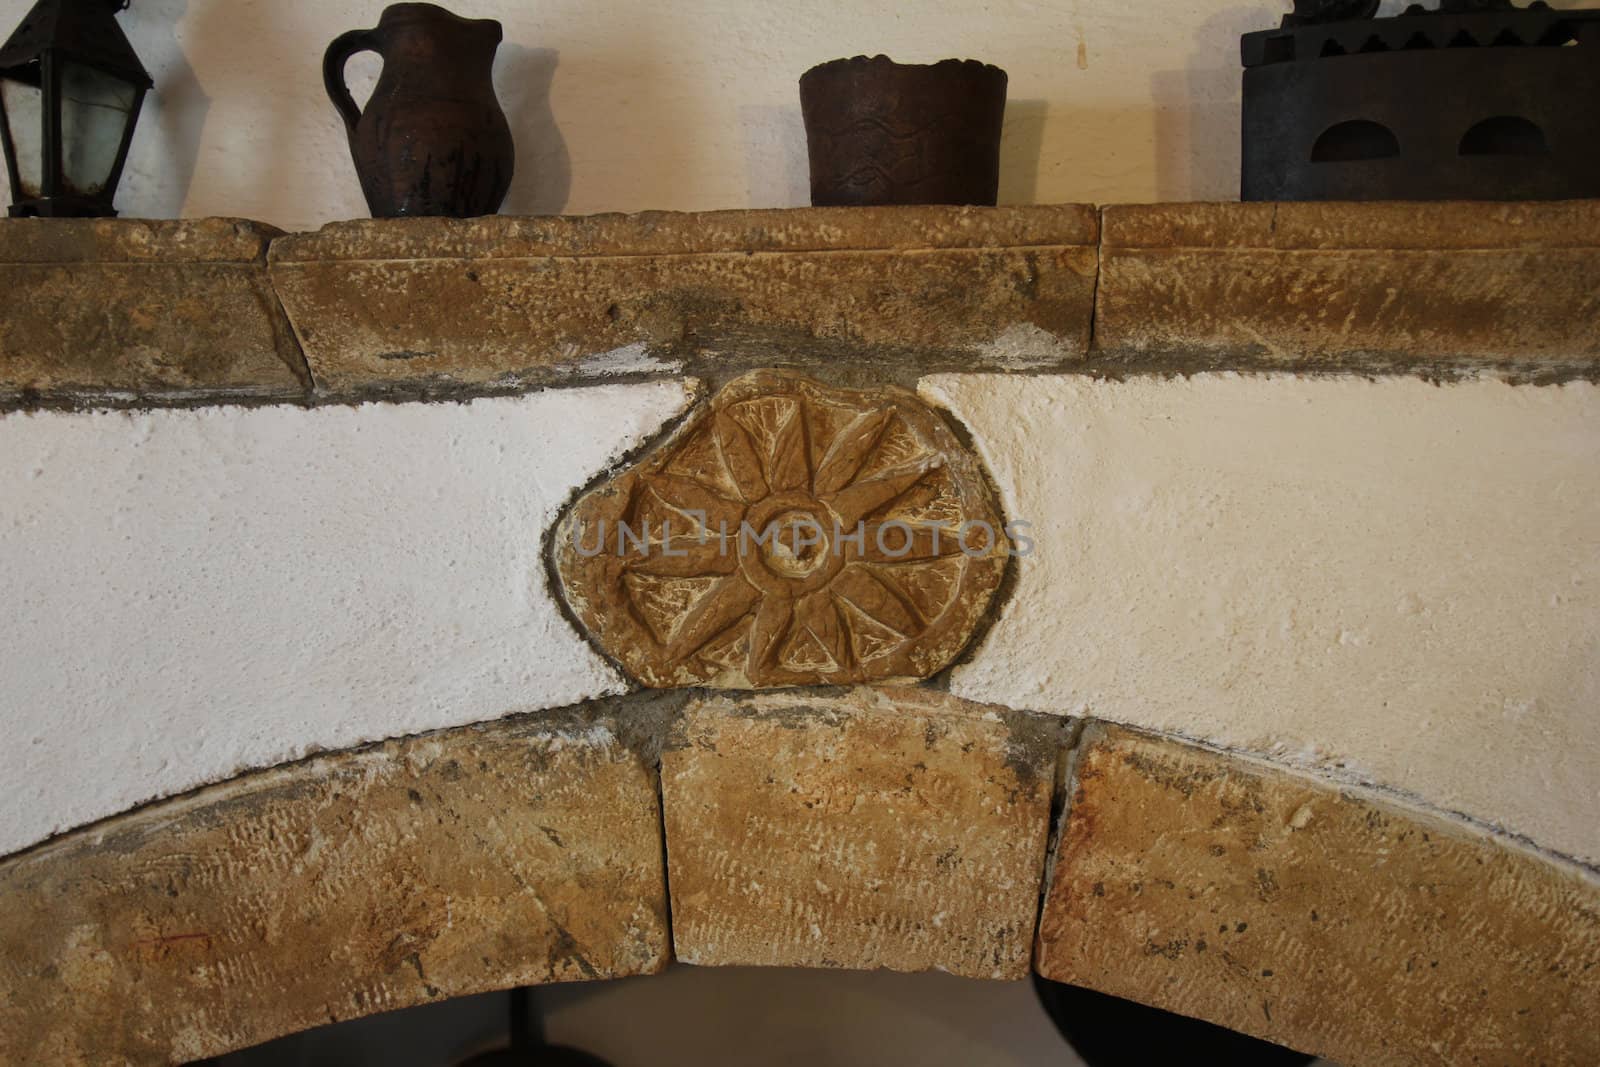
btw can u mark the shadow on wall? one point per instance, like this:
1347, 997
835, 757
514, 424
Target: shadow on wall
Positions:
278, 151
777, 168
543, 181
1197, 110
162, 163
1021, 146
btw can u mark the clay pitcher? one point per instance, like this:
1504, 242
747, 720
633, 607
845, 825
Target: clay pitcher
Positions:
433, 139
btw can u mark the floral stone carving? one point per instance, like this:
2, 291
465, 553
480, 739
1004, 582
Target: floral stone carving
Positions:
789, 533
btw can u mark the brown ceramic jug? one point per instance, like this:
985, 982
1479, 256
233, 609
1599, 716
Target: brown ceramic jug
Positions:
433, 139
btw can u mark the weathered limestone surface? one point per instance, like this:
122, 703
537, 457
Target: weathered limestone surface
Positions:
884, 828
429, 301
1285, 908
478, 859
788, 534
153, 308
1366, 286
167, 311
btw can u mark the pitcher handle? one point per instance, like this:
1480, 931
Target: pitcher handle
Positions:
333, 63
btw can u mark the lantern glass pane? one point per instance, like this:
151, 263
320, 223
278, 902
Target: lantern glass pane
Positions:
24, 106
95, 111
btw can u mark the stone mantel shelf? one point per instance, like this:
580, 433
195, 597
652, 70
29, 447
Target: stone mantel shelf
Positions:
156, 313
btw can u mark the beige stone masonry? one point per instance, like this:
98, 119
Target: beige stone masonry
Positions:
885, 828
865, 828
161, 310
1381, 286
436, 301
173, 312
1315, 917
332, 889
873, 827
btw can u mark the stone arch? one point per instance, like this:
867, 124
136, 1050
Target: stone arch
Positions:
531, 851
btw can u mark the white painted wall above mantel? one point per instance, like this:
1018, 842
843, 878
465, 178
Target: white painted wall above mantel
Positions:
691, 105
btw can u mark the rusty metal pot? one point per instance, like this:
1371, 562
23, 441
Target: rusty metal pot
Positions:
433, 139
881, 132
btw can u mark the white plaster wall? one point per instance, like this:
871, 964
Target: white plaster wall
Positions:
691, 105
187, 594
1394, 581
1388, 580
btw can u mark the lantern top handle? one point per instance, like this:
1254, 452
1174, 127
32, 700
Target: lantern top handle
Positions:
83, 31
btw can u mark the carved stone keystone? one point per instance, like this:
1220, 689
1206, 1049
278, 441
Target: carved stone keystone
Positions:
880, 828
788, 534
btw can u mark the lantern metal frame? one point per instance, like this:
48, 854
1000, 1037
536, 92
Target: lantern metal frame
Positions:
51, 35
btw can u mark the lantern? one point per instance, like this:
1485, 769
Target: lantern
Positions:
70, 92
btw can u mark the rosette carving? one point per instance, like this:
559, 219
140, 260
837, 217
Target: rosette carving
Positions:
789, 533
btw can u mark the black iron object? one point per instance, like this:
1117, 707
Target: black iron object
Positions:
529, 1048
1307, 12
1478, 100
71, 88
881, 132
433, 139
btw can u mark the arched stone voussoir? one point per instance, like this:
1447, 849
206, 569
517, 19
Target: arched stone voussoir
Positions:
527, 851
867, 828
1321, 918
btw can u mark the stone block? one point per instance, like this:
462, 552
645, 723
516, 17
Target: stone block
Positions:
1315, 917
1369, 287
483, 858
398, 304
884, 828
99, 307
